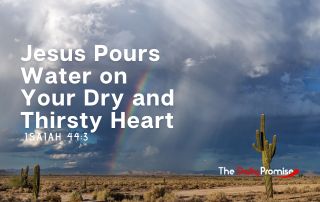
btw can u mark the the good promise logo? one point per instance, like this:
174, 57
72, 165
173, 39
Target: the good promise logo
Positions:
281, 173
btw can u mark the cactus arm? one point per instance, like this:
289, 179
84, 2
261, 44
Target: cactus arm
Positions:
270, 151
262, 126
255, 147
262, 130
274, 151
262, 139
258, 139
273, 146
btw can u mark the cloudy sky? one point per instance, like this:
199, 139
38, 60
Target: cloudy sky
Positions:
228, 61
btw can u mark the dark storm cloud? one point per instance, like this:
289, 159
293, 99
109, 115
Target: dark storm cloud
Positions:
228, 61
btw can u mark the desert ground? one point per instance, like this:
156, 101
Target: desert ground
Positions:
161, 188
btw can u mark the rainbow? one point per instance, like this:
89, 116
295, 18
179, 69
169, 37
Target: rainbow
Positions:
130, 110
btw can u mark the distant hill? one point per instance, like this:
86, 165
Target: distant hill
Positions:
7, 172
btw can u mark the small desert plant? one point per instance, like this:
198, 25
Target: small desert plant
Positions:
13, 199
317, 189
155, 193
305, 189
103, 195
85, 184
94, 195
75, 197
106, 195
133, 200
24, 174
15, 182
196, 199
3, 187
117, 196
53, 188
52, 197
148, 197
291, 190
217, 197
168, 197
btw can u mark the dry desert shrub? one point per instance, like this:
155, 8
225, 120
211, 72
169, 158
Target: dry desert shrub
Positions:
291, 190
13, 199
75, 197
133, 200
15, 182
52, 188
263, 198
317, 189
94, 195
103, 195
168, 197
4, 187
160, 194
155, 193
52, 197
148, 196
108, 195
217, 197
196, 199
305, 189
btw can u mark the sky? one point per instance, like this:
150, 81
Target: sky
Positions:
227, 61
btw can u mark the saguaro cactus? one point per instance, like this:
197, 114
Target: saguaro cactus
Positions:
267, 151
24, 176
36, 181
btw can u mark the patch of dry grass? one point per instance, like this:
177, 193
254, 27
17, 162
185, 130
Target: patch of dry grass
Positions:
217, 197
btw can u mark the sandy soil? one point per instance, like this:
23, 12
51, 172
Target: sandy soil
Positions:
255, 190
237, 190
183, 187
